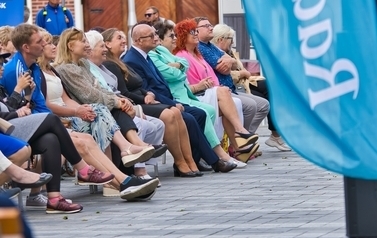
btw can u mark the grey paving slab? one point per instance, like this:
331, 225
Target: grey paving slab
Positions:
278, 195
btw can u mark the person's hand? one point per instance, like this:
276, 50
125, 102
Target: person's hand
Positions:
149, 98
205, 83
175, 65
24, 111
180, 107
85, 112
125, 104
25, 80
244, 74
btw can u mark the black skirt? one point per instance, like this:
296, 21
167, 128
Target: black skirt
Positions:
154, 110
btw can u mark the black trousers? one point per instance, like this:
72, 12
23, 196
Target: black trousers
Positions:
262, 91
52, 140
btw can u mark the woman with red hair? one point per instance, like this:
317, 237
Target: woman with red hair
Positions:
215, 100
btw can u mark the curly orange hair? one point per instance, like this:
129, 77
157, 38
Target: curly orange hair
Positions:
182, 29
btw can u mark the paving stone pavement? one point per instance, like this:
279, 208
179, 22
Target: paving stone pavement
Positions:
277, 195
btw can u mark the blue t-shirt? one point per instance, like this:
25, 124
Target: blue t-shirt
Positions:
212, 54
55, 19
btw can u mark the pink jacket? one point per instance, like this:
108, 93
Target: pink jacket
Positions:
197, 70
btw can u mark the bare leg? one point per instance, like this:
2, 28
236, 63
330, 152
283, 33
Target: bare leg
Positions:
20, 175
124, 144
18, 159
172, 140
134, 139
221, 153
87, 148
184, 140
228, 109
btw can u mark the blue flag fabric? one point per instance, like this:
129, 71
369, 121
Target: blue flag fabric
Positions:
11, 12
320, 61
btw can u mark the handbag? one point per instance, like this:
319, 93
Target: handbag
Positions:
6, 127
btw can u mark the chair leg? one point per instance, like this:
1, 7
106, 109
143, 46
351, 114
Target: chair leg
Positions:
20, 202
164, 158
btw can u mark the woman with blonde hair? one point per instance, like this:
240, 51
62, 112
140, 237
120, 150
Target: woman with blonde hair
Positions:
103, 124
129, 84
94, 119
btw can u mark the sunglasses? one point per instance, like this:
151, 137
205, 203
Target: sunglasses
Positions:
149, 14
194, 32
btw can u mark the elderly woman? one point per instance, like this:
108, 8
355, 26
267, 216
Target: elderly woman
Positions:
221, 35
94, 119
84, 87
59, 102
129, 84
211, 98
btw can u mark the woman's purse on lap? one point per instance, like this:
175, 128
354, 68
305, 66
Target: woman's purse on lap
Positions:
6, 127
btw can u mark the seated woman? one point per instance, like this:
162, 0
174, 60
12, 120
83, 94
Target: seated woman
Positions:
83, 87
129, 84
221, 34
18, 153
47, 135
94, 119
174, 71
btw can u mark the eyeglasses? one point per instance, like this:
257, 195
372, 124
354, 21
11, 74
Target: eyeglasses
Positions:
149, 14
152, 35
172, 35
194, 32
228, 38
206, 25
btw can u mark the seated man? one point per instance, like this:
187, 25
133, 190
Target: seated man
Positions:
144, 40
257, 87
222, 64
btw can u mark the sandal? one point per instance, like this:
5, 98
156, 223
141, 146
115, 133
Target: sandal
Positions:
243, 139
142, 156
244, 155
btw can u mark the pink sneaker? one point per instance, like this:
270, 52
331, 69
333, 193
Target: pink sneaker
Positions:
95, 177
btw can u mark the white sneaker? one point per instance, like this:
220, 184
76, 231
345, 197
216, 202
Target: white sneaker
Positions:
278, 143
240, 164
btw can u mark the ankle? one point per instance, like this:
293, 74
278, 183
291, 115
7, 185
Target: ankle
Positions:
84, 171
53, 200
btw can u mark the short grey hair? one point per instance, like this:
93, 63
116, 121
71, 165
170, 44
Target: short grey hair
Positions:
93, 38
222, 30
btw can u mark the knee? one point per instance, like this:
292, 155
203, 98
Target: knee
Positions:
80, 145
167, 116
222, 92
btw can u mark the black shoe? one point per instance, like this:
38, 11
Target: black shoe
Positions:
178, 173
143, 198
43, 179
223, 166
137, 187
159, 150
203, 166
10, 193
198, 173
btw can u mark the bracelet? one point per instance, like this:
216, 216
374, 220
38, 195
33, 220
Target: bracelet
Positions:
76, 111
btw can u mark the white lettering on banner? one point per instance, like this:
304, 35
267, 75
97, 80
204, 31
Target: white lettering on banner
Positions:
335, 90
304, 34
340, 65
3, 5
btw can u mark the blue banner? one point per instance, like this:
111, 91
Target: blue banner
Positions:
11, 12
320, 61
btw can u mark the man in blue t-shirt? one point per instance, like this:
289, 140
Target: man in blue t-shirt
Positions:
254, 108
54, 18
